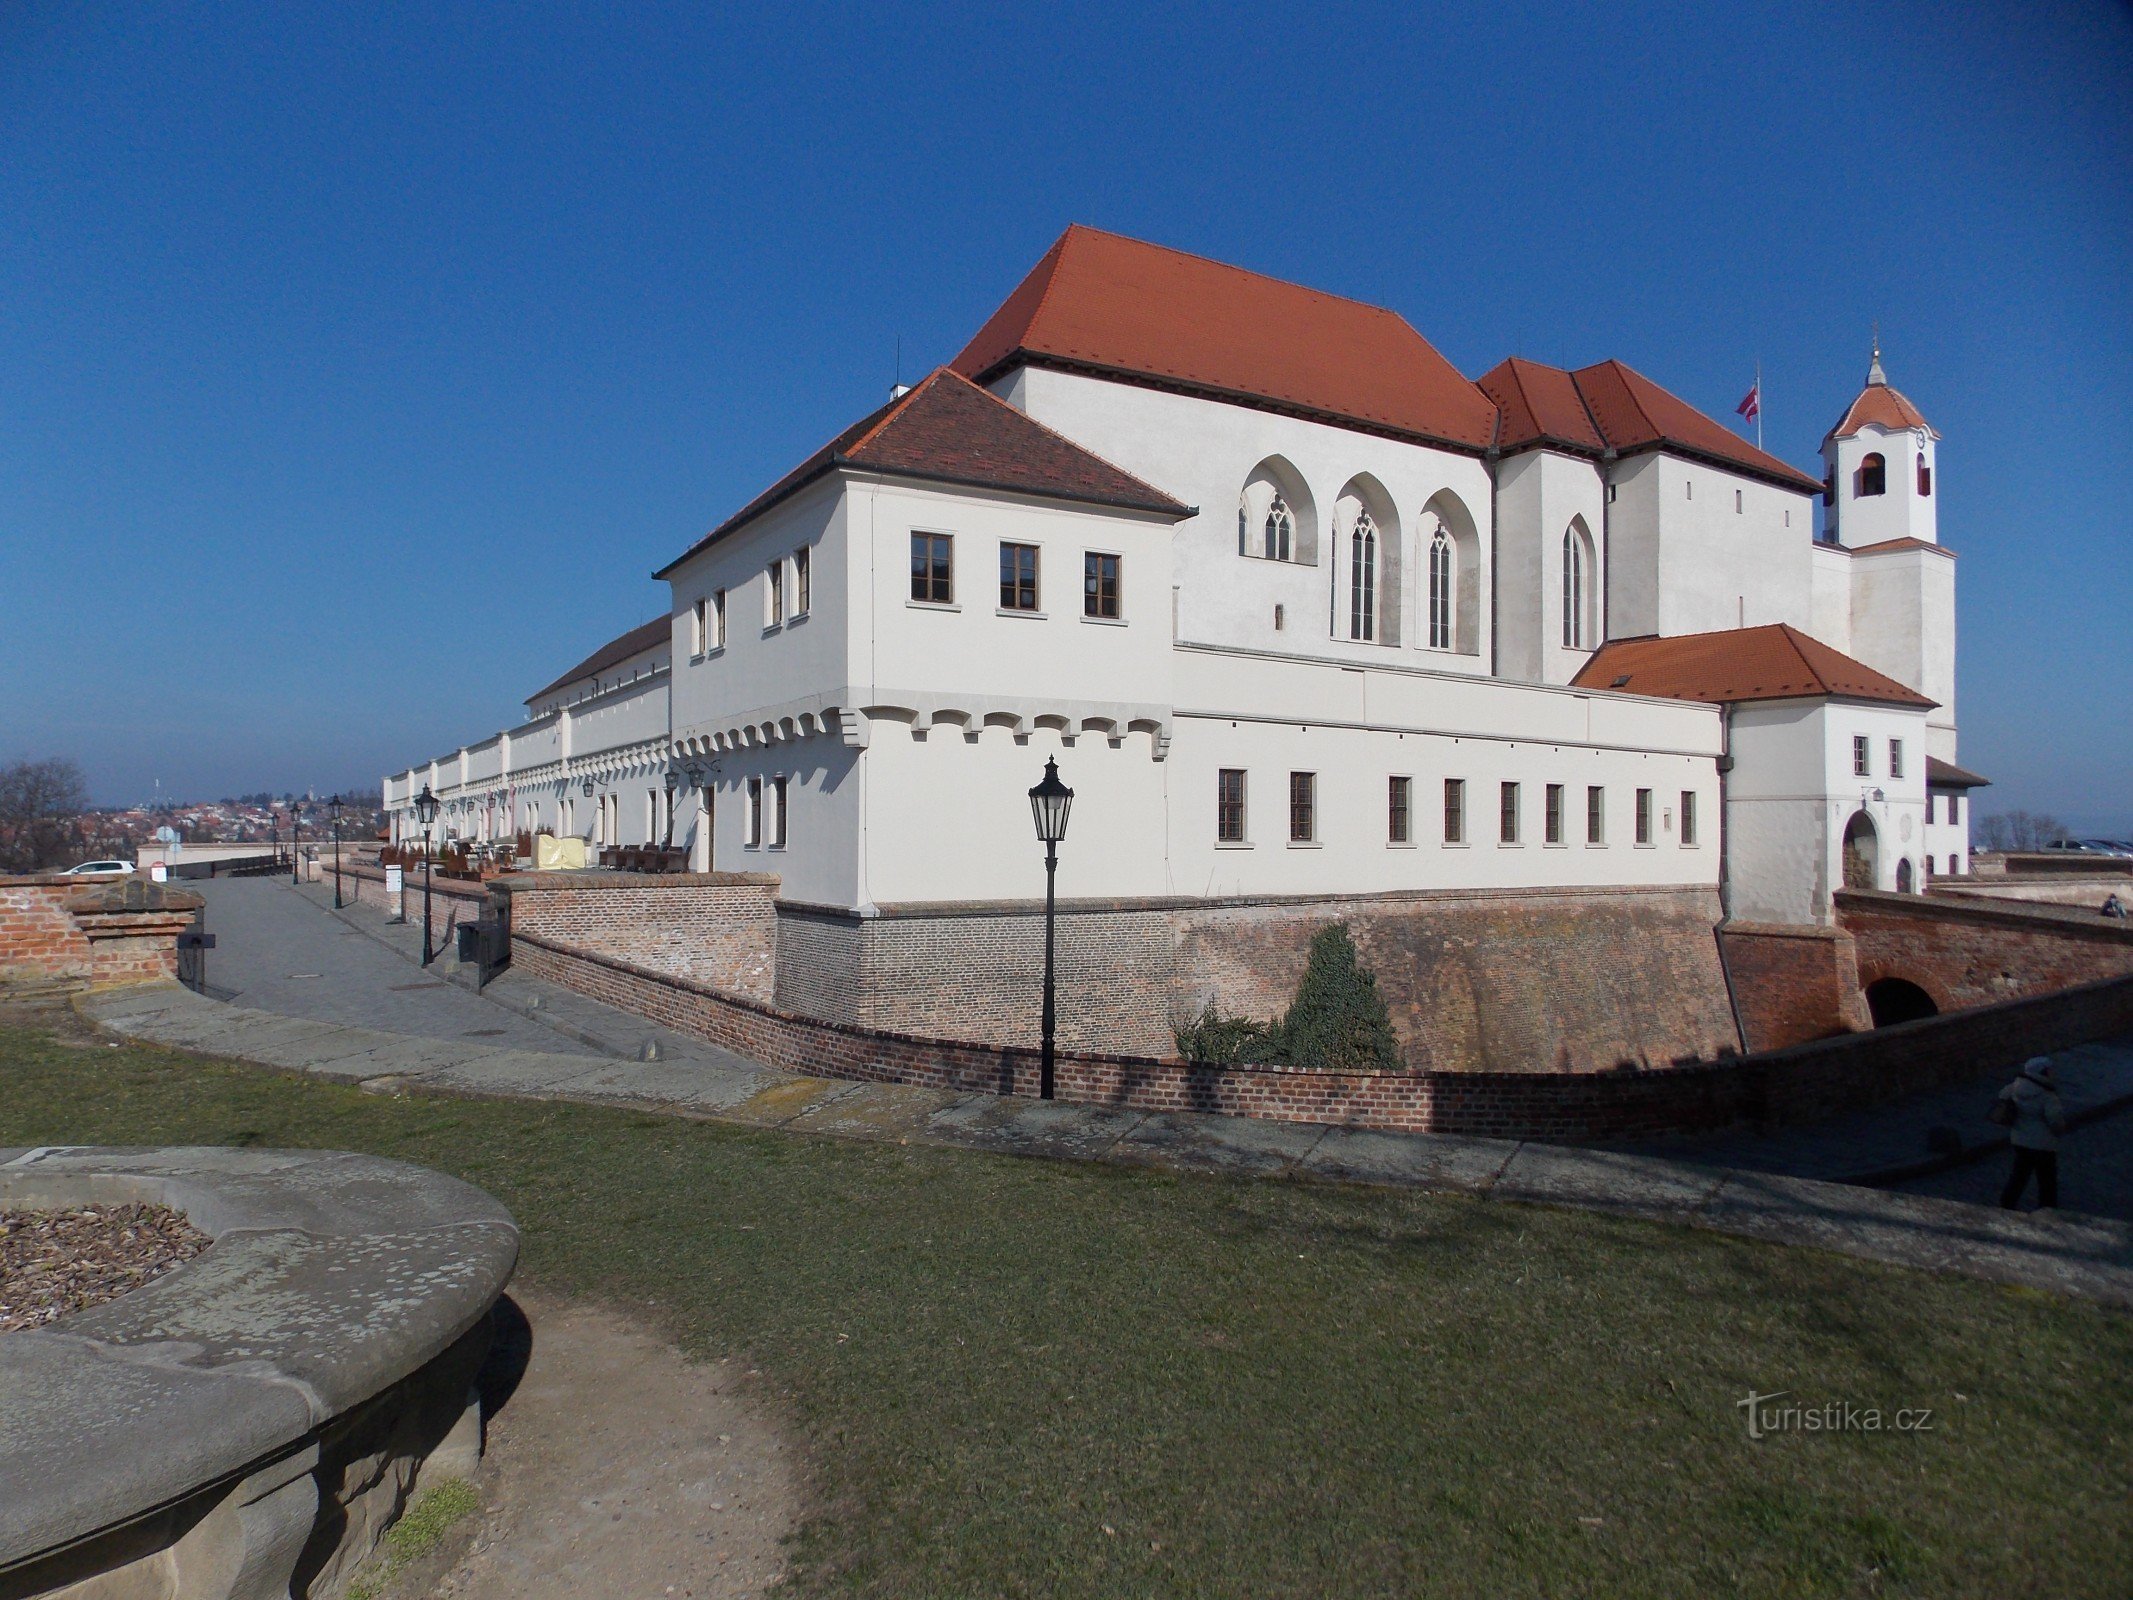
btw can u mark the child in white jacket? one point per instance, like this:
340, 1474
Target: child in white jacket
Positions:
2033, 1130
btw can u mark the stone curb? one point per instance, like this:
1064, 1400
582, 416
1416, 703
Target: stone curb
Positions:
2088, 1257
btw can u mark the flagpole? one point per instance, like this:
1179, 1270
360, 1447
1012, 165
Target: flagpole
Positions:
1758, 402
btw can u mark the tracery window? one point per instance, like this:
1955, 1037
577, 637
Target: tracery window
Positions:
1440, 590
1574, 581
1280, 530
1363, 578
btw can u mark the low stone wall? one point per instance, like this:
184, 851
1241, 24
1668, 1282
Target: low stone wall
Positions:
1804, 1083
2084, 891
1971, 952
714, 928
79, 933
249, 1423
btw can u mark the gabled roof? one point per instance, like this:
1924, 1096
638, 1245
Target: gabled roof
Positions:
1120, 308
1772, 662
948, 430
1634, 414
1947, 775
1539, 405
649, 636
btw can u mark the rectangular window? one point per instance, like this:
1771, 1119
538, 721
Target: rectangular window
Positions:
699, 626
1455, 811
1644, 816
1738, 507
718, 619
1595, 814
1688, 816
933, 568
1018, 577
1895, 758
651, 816
1229, 806
1507, 813
803, 581
774, 594
1399, 814
1862, 760
777, 813
1303, 807
1554, 817
752, 817
1099, 586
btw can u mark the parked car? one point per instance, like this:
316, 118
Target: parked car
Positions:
99, 869
2108, 847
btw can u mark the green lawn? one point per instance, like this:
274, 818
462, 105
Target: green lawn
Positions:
1017, 1377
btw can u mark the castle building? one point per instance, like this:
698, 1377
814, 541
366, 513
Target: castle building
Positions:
1305, 616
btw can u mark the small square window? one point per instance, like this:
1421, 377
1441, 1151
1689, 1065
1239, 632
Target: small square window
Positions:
1553, 818
933, 568
1644, 816
1099, 585
1595, 814
1507, 813
1018, 577
1455, 811
1303, 807
1399, 811
1688, 816
1229, 806
1862, 757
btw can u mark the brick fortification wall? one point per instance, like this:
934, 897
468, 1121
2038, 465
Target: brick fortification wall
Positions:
1793, 984
1973, 952
717, 929
1801, 1084
1540, 982
78, 933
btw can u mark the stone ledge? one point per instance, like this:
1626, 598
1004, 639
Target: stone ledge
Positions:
332, 1278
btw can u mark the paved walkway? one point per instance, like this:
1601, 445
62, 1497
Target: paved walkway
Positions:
2085, 1256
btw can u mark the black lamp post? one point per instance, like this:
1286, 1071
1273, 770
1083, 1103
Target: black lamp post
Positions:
1049, 803
426, 809
333, 808
296, 862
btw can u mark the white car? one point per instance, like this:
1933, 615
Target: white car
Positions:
99, 869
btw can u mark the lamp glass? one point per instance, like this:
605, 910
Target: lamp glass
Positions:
426, 806
1049, 803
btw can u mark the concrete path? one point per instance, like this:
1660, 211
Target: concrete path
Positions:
2083, 1256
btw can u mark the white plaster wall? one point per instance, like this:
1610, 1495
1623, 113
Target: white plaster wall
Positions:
1203, 452
1948, 834
1539, 495
1903, 624
818, 863
623, 672
1730, 551
1830, 591
1901, 512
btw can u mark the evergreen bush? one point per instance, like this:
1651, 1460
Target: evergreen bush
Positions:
1338, 1019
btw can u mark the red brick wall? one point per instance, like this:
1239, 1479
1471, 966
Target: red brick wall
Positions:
66, 930
717, 929
1800, 1084
39, 942
1793, 984
1972, 953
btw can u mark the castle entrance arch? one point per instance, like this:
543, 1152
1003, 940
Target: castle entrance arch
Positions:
1861, 852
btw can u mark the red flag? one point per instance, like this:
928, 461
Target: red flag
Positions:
1751, 407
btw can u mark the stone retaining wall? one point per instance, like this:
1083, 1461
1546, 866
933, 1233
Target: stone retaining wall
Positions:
1969, 952
714, 928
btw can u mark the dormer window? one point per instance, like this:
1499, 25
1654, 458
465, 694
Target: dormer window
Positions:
1873, 476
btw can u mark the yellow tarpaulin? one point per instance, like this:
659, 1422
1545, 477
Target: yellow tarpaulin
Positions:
551, 854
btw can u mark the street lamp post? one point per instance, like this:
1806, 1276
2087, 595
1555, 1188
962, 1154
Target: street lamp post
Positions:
1049, 803
296, 861
426, 809
333, 807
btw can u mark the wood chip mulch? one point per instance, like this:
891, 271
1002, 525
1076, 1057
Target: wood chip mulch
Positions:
54, 1262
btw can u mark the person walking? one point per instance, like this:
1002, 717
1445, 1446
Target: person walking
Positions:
2029, 1110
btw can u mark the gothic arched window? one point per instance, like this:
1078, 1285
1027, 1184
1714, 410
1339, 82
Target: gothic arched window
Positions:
1363, 578
1873, 476
1440, 590
1574, 582
1280, 530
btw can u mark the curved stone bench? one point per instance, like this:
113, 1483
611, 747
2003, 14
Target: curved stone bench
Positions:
249, 1423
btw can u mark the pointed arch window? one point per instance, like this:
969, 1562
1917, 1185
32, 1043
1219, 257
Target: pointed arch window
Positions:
1280, 530
1363, 578
1440, 590
1575, 582
1873, 476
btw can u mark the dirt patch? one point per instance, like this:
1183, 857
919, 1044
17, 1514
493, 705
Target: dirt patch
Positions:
616, 1466
56, 1262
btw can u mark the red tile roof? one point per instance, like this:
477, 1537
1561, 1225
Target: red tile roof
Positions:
1879, 406
1773, 662
1101, 303
648, 636
948, 430
1539, 404
1634, 414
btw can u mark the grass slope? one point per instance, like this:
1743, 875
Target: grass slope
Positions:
1021, 1378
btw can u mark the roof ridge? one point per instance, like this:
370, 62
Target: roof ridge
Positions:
1244, 272
897, 406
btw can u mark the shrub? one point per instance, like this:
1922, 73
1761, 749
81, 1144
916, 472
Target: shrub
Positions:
1338, 1019
1215, 1040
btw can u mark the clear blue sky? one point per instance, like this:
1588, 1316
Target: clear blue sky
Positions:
358, 364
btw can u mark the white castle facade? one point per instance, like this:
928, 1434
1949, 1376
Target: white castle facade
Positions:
1299, 610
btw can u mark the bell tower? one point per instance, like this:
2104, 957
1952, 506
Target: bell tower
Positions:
1879, 476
